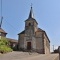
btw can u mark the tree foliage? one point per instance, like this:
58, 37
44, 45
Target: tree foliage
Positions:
4, 45
4, 41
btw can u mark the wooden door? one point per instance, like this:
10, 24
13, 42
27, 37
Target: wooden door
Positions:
28, 45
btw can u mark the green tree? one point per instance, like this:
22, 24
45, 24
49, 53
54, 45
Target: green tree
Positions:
4, 45
4, 41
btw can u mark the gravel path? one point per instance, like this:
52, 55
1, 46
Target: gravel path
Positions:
27, 56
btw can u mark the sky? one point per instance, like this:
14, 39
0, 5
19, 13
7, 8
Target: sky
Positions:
46, 13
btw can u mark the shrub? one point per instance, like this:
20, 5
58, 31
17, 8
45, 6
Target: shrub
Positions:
4, 47
4, 41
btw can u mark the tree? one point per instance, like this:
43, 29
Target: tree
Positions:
4, 41
4, 45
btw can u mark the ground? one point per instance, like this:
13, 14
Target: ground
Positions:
27, 56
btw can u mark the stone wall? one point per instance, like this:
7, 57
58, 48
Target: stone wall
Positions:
32, 40
34, 43
46, 45
39, 42
21, 41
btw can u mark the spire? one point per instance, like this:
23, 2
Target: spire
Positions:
1, 15
31, 15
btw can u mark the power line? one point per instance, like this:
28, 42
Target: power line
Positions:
53, 48
5, 20
2, 18
1, 8
15, 29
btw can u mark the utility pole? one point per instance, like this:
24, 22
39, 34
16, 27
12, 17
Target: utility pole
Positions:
53, 48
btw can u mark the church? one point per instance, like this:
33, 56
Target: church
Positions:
32, 37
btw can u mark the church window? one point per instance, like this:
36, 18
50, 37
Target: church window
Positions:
29, 24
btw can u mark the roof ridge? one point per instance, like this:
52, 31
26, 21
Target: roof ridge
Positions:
1, 30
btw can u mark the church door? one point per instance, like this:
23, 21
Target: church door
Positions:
28, 45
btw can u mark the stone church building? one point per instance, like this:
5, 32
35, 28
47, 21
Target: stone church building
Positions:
33, 38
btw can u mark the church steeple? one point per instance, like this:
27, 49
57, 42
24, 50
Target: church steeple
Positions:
1, 15
31, 15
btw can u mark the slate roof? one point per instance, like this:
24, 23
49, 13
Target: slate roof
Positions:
2, 31
22, 32
31, 19
12, 40
40, 30
31, 15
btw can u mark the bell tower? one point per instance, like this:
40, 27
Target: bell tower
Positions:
31, 27
31, 24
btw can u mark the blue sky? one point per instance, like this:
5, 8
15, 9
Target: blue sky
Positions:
46, 13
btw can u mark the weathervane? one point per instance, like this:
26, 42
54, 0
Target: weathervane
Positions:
31, 4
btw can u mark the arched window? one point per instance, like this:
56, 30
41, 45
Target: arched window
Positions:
29, 24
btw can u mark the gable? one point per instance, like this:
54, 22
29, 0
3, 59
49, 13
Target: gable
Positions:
23, 32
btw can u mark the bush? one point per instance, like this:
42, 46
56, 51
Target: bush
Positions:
4, 41
4, 47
